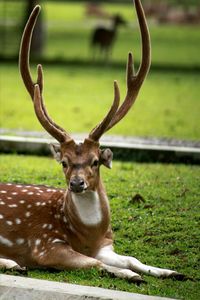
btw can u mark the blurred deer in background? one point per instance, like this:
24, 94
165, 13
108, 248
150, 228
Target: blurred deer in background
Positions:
45, 227
103, 38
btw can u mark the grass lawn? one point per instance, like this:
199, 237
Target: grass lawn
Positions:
78, 97
163, 231
68, 32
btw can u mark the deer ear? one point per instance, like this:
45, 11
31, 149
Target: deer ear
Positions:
55, 149
106, 157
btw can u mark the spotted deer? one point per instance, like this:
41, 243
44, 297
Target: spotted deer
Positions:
44, 227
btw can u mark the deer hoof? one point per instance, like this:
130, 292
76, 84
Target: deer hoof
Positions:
178, 276
137, 279
21, 270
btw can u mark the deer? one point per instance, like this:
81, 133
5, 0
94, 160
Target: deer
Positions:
104, 38
63, 229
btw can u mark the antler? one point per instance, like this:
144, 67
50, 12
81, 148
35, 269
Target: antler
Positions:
115, 113
35, 89
101, 128
134, 82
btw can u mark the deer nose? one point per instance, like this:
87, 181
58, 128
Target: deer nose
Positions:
77, 184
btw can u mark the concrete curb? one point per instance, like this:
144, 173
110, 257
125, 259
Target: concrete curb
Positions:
20, 288
124, 148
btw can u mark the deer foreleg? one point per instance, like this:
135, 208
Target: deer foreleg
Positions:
64, 257
109, 257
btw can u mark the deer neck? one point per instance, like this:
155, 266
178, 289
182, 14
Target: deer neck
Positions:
90, 208
115, 26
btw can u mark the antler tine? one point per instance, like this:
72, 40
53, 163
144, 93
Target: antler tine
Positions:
40, 83
58, 132
97, 132
40, 113
25, 49
134, 82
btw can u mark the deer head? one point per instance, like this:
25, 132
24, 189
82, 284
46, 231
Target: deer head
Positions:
81, 162
119, 20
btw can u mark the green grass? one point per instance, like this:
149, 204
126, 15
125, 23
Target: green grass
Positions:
169, 46
78, 97
163, 231
68, 32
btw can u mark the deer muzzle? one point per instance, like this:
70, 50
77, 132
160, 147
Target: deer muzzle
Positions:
77, 184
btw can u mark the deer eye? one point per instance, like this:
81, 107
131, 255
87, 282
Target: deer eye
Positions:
95, 163
64, 164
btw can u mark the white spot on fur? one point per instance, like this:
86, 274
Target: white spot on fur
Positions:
3, 192
9, 198
24, 190
5, 241
22, 201
14, 193
27, 214
88, 207
9, 223
50, 226
12, 205
2, 203
29, 206
30, 193
1, 216
41, 254
64, 219
37, 242
38, 203
18, 221
19, 186
57, 216
44, 225
20, 241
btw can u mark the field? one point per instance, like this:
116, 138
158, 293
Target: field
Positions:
68, 31
168, 104
163, 231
